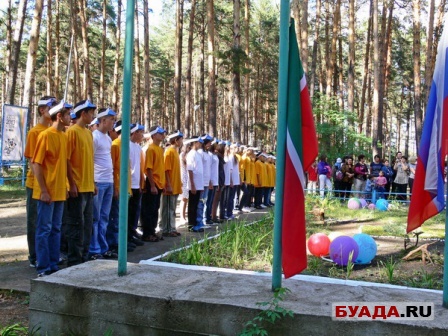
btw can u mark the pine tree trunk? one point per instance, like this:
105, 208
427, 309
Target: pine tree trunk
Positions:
117, 58
365, 72
211, 101
429, 53
313, 74
88, 89
137, 113
416, 48
201, 109
376, 118
304, 34
247, 75
147, 90
57, 54
103, 54
76, 87
351, 58
178, 61
28, 89
15, 53
188, 96
236, 72
8, 50
49, 55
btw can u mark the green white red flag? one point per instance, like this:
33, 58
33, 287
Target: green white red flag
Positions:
300, 152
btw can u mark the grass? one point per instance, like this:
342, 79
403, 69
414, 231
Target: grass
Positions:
12, 190
250, 247
239, 246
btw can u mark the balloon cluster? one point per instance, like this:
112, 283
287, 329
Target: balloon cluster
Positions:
361, 247
360, 203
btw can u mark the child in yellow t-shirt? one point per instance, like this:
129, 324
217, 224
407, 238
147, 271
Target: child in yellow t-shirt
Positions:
79, 216
50, 189
173, 185
43, 108
155, 183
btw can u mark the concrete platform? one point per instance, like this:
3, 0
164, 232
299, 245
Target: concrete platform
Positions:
153, 299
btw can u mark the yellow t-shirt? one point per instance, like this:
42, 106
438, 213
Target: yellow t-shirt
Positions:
260, 171
271, 174
115, 151
51, 154
252, 172
172, 166
31, 142
266, 176
240, 166
80, 155
154, 161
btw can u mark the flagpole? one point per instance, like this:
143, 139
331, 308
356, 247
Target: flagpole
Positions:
125, 135
445, 259
281, 142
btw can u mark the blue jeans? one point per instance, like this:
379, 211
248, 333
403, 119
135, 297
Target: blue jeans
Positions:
208, 205
102, 202
48, 235
201, 206
112, 228
266, 196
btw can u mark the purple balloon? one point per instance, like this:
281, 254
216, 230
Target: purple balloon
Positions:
340, 249
363, 202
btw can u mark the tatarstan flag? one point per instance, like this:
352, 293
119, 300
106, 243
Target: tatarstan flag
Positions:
300, 152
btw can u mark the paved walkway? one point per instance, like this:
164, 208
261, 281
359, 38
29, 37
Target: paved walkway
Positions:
15, 272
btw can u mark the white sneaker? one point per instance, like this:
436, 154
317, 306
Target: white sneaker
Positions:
246, 209
263, 206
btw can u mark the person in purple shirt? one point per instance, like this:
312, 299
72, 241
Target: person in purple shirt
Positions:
324, 172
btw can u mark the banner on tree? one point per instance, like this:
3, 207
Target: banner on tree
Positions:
14, 119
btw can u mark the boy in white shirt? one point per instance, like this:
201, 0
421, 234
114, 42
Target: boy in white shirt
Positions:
104, 181
195, 183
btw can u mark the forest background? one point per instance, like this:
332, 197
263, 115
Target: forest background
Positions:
212, 65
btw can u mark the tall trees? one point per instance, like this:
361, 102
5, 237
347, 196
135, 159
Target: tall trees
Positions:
236, 72
211, 101
28, 90
416, 48
178, 61
117, 54
188, 82
15, 53
147, 91
87, 84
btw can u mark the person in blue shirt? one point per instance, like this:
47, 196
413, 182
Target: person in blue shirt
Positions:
376, 166
388, 174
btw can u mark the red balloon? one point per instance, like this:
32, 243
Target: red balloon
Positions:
319, 244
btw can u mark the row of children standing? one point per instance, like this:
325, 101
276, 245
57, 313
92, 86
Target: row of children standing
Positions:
216, 174
75, 180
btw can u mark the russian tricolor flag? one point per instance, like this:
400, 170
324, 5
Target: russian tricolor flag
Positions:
427, 198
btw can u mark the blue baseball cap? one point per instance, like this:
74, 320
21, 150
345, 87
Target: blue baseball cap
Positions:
87, 105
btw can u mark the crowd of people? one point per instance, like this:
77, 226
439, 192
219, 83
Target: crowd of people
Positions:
73, 183
346, 178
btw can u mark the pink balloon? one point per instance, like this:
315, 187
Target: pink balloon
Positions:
319, 244
353, 204
372, 206
340, 250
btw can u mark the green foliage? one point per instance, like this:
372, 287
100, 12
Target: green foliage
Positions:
389, 268
337, 134
273, 314
236, 247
